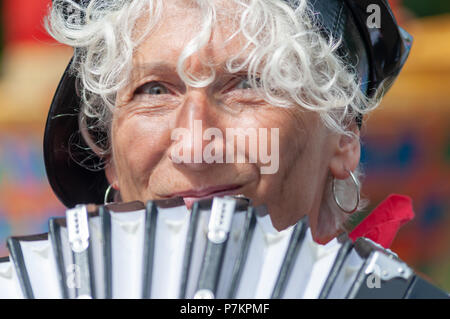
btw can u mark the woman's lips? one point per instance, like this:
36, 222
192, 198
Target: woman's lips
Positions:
191, 196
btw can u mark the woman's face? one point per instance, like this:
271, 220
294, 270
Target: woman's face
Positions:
145, 161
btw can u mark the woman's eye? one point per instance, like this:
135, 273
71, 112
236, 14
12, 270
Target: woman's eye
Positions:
245, 84
153, 88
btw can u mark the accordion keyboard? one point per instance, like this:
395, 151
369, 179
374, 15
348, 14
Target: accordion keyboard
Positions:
221, 248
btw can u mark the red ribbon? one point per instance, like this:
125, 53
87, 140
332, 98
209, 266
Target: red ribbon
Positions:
383, 223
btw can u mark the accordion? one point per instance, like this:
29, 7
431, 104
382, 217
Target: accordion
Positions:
221, 248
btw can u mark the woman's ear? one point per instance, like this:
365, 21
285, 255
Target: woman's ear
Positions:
346, 155
111, 176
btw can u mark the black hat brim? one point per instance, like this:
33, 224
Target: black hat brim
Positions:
64, 149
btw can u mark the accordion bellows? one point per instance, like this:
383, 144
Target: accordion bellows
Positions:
222, 248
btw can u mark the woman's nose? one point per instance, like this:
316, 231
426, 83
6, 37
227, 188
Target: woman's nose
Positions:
196, 135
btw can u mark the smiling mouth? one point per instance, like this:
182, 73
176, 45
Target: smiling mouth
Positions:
192, 196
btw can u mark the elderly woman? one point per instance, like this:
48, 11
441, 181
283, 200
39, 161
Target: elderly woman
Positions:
159, 94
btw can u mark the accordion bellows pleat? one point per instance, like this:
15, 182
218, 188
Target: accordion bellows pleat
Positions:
222, 248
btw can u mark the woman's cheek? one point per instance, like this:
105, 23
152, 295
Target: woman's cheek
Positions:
141, 143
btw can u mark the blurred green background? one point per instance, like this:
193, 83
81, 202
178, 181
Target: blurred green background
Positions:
422, 8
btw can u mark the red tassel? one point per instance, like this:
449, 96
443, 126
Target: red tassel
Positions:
383, 223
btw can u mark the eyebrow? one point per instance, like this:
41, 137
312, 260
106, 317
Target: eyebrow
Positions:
159, 67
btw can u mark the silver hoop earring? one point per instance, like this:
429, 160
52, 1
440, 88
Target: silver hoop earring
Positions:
108, 190
357, 194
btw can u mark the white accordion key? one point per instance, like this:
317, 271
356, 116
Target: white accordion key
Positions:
125, 228
168, 223
322, 258
266, 251
35, 266
9, 283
